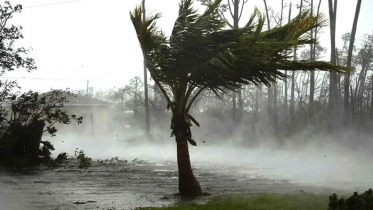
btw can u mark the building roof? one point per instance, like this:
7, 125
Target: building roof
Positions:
80, 100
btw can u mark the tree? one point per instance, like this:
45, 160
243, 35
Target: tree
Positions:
270, 91
235, 8
120, 95
273, 108
313, 52
202, 55
32, 114
292, 93
333, 91
11, 57
349, 58
286, 109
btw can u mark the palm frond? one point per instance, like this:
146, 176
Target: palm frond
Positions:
201, 53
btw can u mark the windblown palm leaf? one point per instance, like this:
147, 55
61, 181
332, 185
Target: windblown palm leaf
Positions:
202, 54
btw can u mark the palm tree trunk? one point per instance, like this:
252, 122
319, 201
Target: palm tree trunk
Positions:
188, 184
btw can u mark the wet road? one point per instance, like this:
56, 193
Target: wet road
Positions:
119, 185
127, 186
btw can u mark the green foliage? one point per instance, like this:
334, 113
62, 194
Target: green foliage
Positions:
61, 158
259, 202
11, 57
355, 202
21, 134
203, 53
85, 162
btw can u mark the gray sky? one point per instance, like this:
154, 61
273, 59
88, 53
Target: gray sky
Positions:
94, 39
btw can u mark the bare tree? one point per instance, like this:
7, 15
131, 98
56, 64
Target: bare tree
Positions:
292, 102
270, 90
236, 14
235, 8
286, 73
312, 76
333, 91
349, 57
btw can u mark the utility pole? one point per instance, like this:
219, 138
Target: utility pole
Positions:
147, 120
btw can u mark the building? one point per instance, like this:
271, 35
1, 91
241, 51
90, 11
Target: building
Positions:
95, 113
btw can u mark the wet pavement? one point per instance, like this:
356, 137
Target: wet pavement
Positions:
119, 185
115, 184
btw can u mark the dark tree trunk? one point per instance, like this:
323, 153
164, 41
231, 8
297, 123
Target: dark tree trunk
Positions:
275, 113
235, 26
292, 99
286, 108
312, 77
349, 58
270, 90
188, 184
240, 105
333, 89
286, 97
234, 107
270, 106
255, 113
275, 91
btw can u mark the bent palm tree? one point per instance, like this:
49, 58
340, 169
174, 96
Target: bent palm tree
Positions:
201, 54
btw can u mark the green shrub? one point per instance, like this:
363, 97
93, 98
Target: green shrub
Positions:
85, 162
21, 144
61, 158
355, 202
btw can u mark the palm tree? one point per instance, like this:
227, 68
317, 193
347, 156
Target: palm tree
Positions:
201, 54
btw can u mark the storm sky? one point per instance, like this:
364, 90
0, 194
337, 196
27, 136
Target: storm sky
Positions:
79, 40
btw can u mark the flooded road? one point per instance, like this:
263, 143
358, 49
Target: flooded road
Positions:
107, 186
112, 184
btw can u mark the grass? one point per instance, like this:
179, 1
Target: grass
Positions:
295, 201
